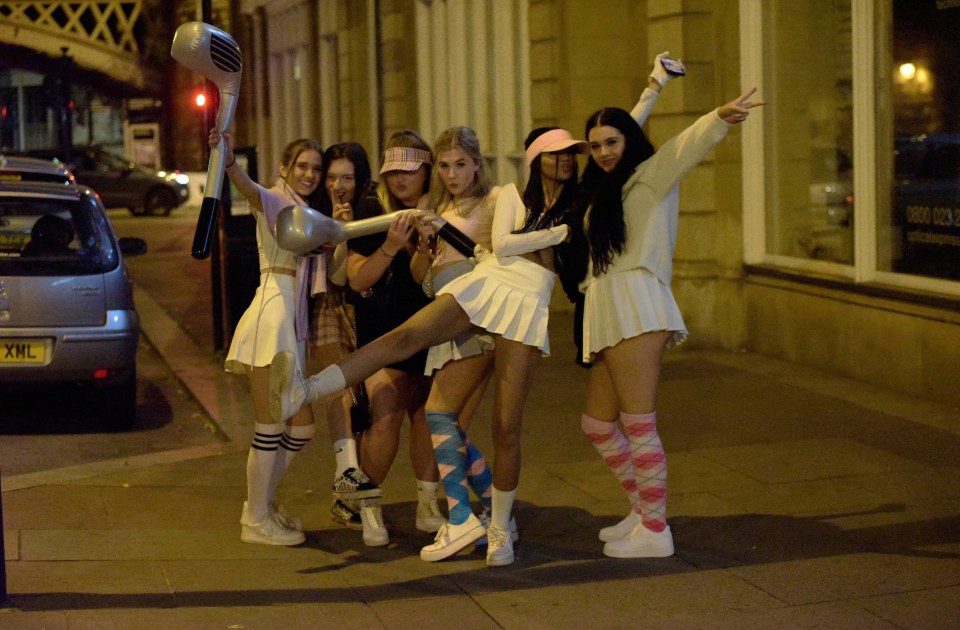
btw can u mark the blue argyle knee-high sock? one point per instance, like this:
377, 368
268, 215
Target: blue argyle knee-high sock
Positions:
451, 453
478, 474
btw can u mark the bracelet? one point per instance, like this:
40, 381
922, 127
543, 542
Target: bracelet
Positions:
234, 161
384, 252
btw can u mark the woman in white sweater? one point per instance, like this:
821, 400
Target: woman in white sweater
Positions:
630, 315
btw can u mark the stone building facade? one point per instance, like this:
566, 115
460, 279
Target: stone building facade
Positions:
800, 236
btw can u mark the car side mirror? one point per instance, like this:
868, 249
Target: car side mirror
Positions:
132, 246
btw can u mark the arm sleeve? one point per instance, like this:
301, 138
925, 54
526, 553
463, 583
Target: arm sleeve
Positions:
644, 106
681, 153
508, 216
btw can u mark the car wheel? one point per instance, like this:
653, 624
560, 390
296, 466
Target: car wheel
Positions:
159, 202
119, 404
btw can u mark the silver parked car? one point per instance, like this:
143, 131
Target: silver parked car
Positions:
29, 169
66, 299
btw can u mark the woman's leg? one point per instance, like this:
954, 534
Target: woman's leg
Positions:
515, 367
599, 424
453, 387
378, 448
457, 387
438, 322
428, 516
354, 484
634, 368
264, 465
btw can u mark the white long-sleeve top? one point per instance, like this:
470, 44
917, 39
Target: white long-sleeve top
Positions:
508, 216
651, 204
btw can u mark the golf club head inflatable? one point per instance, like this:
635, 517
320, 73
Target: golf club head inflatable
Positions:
212, 53
302, 230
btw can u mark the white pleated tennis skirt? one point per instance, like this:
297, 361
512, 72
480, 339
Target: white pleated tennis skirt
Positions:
466, 345
507, 296
266, 327
627, 304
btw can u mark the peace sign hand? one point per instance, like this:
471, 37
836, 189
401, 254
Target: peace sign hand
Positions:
736, 111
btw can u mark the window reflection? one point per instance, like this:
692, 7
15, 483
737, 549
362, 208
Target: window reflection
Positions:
919, 230
808, 129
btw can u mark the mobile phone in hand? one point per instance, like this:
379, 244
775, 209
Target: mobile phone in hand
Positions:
673, 67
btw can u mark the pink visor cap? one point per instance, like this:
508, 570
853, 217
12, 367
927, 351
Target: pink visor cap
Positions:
554, 140
404, 159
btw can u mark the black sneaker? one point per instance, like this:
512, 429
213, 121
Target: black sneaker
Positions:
354, 484
347, 514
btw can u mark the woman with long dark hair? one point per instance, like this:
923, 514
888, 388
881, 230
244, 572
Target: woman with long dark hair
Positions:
346, 180
630, 314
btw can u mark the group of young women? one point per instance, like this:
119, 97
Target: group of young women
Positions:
611, 232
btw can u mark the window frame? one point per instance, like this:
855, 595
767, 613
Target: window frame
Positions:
871, 23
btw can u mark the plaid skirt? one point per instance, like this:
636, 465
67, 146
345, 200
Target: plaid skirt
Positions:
331, 320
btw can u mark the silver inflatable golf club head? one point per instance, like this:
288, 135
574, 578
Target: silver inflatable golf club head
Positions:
212, 53
302, 230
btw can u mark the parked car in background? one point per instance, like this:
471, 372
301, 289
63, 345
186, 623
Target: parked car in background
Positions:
123, 184
67, 314
826, 232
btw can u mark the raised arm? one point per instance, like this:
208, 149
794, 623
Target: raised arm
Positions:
247, 187
508, 217
655, 82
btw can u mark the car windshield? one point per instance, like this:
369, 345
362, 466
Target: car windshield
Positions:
51, 237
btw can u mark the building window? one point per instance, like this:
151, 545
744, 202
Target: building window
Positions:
855, 169
923, 224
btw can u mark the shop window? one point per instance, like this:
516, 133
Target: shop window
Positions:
922, 222
855, 169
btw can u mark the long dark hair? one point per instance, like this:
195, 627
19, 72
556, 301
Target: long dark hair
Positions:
291, 153
606, 232
361, 173
533, 199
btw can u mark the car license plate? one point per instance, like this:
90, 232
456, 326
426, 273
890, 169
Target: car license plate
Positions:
30, 351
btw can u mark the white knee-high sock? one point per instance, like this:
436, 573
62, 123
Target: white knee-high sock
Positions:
345, 452
325, 382
426, 490
502, 507
294, 438
260, 463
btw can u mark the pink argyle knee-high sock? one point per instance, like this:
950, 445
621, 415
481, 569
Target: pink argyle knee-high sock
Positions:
614, 449
649, 467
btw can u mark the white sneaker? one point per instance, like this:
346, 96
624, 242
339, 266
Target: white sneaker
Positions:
429, 518
288, 389
269, 531
485, 519
621, 529
285, 519
641, 543
452, 538
278, 513
499, 547
375, 532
